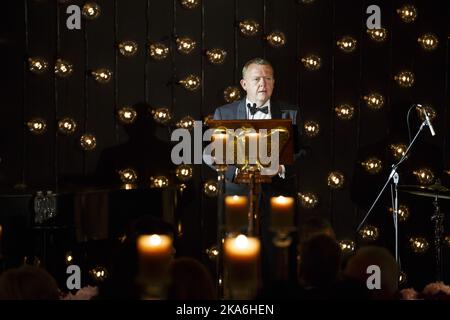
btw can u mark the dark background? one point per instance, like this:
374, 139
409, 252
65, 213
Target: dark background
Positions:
53, 161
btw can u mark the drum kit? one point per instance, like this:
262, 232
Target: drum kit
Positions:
436, 192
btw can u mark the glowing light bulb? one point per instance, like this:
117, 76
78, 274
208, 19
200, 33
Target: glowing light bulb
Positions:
231, 94
335, 180
185, 45
127, 115
91, 10
249, 27
128, 48
311, 128
276, 39
191, 82
63, 68
378, 35
158, 51
67, 126
312, 62
216, 56
88, 142
428, 41
347, 44
210, 189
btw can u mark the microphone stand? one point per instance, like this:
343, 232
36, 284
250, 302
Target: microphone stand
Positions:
395, 178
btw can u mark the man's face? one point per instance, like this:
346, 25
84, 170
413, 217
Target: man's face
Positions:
258, 83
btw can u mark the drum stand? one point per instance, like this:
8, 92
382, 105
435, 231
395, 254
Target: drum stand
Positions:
438, 219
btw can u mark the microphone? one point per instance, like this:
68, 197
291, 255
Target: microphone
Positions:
427, 119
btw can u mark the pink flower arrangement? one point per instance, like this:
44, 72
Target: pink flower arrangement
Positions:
432, 291
85, 293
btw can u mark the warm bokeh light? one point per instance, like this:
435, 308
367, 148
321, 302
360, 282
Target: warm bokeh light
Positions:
128, 175
335, 180
159, 182
102, 75
249, 27
347, 246
398, 150
158, 51
184, 172
88, 142
312, 62
37, 65
403, 212
91, 10
308, 200
63, 68
67, 126
276, 39
210, 188
428, 41
344, 111
127, 115
378, 35
186, 123
372, 165
128, 48
418, 244
369, 233
190, 4
216, 56
374, 101
405, 79
161, 115
347, 44
191, 82
231, 94
424, 176
99, 274
37, 126
185, 45
408, 13
311, 128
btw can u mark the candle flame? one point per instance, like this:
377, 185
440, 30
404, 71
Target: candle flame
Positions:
241, 241
155, 240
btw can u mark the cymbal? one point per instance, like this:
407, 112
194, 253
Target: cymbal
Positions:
433, 191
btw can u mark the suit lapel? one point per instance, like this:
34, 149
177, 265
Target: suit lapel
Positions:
241, 110
275, 110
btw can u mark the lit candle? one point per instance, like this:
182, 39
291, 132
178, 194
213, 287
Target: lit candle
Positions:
241, 255
220, 143
252, 147
236, 212
155, 254
282, 209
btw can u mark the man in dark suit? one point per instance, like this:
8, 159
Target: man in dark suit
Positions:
258, 82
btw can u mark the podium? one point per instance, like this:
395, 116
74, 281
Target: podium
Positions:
242, 158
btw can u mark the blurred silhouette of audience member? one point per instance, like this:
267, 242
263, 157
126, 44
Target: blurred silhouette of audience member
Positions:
312, 227
319, 267
191, 280
356, 269
28, 283
144, 152
315, 226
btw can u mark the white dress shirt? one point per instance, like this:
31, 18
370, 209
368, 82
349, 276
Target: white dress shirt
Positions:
258, 115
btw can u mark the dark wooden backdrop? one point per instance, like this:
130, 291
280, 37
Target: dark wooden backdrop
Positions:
38, 28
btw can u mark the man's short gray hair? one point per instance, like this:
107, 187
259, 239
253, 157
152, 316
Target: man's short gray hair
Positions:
259, 61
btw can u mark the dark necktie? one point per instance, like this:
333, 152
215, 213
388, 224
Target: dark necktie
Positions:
253, 109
